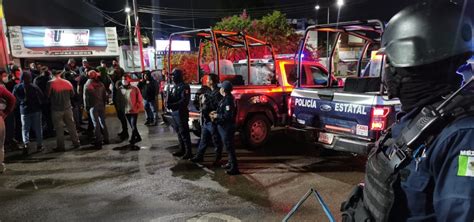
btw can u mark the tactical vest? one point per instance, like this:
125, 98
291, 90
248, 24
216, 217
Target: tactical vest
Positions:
374, 201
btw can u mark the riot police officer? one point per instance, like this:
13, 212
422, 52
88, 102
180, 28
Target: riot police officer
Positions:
421, 171
225, 120
178, 101
209, 101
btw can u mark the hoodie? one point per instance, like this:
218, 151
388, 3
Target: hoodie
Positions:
94, 94
28, 95
132, 99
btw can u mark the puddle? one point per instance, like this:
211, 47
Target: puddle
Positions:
188, 171
242, 187
40, 184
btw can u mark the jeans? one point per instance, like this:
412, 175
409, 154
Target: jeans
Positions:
151, 110
32, 121
226, 133
77, 114
209, 131
123, 120
182, 128
59, 119
2, 141
10, 128
46, 119
100, 128
132, 120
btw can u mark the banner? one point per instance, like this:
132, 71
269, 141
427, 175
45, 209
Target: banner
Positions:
43, 42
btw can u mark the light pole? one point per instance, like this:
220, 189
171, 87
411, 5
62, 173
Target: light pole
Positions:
317, 7
130, 36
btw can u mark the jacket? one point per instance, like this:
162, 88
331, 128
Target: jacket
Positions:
149, 89
60, 92
226, 111
94, 94
132, 99
439, 185
29, 97
7, 101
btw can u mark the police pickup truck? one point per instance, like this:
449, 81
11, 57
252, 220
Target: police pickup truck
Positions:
348, 111
262, 83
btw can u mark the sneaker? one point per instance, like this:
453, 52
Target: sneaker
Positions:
39, 148
148, 122
178, 153
233, 172
59, 149
197, 159
187, 156
226, 166
25, 150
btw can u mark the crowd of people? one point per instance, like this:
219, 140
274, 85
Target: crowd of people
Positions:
38, 102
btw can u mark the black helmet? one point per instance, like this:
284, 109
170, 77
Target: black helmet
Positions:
177, 75
227, 86
427, 32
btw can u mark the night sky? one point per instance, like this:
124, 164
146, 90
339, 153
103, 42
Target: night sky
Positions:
77, 13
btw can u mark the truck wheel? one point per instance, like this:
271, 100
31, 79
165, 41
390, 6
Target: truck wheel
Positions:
256, 131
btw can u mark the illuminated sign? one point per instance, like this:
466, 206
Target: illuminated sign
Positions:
66, 37
176, 45
41, 37
43, 42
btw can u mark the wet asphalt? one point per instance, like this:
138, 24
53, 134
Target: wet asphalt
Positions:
146, 183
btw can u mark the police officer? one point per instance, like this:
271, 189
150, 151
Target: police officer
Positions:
225, 120
209, 102
178, 101
432, 180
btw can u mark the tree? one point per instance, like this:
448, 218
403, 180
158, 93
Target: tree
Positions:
272, 28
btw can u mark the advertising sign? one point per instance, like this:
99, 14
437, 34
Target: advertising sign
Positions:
44, 42
176, 45
66, 37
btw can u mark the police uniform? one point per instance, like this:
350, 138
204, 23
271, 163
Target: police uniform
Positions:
418, 171
178, 101
209, 102
226, 126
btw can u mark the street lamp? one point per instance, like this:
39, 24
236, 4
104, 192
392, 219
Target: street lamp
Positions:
340, 3
317, 7
128, 10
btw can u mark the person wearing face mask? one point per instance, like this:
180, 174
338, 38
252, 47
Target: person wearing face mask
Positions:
131, 101
178, 100
95, 99
30, 98
224, 117
209, 101
422, 167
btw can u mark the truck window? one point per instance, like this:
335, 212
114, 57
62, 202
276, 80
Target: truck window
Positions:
348, 50
316, 76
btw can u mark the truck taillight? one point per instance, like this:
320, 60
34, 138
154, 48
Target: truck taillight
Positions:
379, 118
290, 106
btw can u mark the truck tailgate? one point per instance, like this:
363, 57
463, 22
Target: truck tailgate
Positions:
335, 111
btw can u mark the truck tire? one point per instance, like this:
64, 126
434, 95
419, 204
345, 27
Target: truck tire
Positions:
256, 131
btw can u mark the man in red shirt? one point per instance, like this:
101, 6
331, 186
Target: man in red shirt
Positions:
7, 104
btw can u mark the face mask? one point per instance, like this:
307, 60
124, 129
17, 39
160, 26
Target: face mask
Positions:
5, 79
392, 82
125, 82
